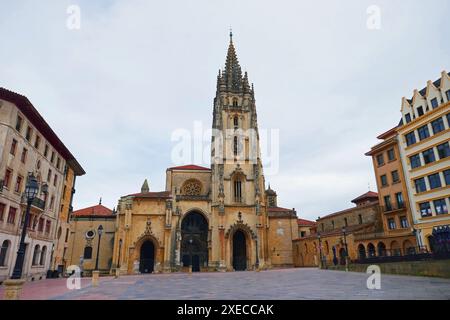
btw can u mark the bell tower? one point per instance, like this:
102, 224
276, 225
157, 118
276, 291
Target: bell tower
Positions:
237, 180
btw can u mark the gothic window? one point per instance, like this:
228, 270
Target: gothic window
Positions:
36, 254
237, 190
272, 202
191, 187
236, 122
235, 146
43, 255
235, 102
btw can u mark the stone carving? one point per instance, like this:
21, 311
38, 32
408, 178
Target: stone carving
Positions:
192, 187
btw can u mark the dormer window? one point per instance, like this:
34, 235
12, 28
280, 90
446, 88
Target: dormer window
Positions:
407, 118
420, 111
434, 103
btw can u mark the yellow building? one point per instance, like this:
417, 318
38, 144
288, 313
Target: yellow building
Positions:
213, 218
424, 136
398, 231
85, 240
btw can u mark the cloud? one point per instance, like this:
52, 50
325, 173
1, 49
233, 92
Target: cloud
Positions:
137, 70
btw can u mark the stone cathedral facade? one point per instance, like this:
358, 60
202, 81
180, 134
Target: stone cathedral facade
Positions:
210, 219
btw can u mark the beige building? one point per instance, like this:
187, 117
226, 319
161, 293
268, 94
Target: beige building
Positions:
214, 218
29, 145
85, 239
424, 147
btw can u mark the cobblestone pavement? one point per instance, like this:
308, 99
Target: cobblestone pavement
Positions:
305, 283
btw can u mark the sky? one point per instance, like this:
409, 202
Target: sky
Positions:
329, 75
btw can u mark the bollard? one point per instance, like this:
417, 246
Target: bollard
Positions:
13, 288
95, 278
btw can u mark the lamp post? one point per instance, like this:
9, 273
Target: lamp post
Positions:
31, 190
320, 251
346, 248
100, 232
257, 255
118, 258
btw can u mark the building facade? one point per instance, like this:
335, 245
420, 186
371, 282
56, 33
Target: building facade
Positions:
29, 145
424, 136
393, 197
213, 218
86, 245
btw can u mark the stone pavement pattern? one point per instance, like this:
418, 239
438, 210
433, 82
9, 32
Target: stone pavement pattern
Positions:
289, 284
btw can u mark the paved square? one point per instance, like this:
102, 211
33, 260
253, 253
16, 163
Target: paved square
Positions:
304, 283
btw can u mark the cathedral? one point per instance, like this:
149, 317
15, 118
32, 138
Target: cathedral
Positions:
220, 218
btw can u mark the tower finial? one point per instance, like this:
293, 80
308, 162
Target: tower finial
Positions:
231, 34
100, 201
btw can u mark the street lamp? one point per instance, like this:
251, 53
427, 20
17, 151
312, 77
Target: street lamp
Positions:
320, 251
31, 190
100, 232
257, 255
120, 249
346, 248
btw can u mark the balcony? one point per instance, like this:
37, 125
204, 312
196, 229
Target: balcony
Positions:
38, 203
393, 207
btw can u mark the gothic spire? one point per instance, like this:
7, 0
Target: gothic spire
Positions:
232, 75
145, 187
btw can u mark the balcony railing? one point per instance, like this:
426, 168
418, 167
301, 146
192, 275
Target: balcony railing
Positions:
38, 203
393, 207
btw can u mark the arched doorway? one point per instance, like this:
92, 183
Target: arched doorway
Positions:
381, 249
147, 257
371, 250
194, 243
395, 249
342, 256
239, 251
408, 247
361, 251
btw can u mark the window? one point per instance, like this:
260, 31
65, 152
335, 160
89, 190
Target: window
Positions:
46, 150
49, 175
302, 234
28, 133
235, 102
345, 222
360, 219
438, 125
55, 180
391, 154
391, 224
332, 223
52, 202
420, 111
236, 122
443, 150
434, 103
425, 209
87, 253
415, 161
13, 147
12, 215
423, 132
447, 93
58, 162
428, 156
67, 235
440, 206
448, 119
52, 158
23, 158
36, 254
380, 159
43, 255
8, 177
435, 181
447, 177
19, 123
420, 185
4, 253
395, 177
384, 182
37, 141
410, 138
237, 190
18, 186
399, 198
407, 118
48, 225
41, 225
387, 203
235, 146
404, 222
2, 211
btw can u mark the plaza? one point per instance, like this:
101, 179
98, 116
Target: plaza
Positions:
286, 284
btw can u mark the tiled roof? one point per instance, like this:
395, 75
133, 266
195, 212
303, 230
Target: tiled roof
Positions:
278, 209
27, 108
347, 210
154, 195
388, 133
367, 195
348, 230
94, 211
190, 167
304, 222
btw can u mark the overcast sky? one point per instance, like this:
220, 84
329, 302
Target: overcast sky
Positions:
116, 89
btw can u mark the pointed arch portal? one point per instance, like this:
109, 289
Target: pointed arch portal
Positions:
239, 251
194, 241
147, 257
